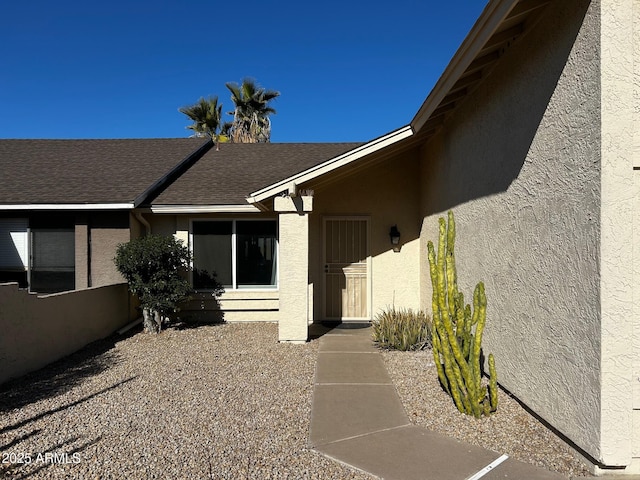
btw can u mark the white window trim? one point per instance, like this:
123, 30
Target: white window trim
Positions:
234, 280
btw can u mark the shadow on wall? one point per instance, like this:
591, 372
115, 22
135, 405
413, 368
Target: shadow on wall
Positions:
491, 134
203, 308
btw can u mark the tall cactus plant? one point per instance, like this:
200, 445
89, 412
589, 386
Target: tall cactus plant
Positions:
457, 331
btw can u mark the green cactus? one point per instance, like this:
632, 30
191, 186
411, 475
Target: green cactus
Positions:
457, 345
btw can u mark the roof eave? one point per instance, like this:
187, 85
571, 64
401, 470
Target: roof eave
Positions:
68, 206
331, 164
204, 209
491, 19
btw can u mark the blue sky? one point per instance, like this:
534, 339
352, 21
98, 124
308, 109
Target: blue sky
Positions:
346, 70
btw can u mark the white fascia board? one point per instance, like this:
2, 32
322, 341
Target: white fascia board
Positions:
488, 22
204, 209
334, 163
69, 206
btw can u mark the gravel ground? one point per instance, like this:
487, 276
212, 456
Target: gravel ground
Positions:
223, 401
511, 430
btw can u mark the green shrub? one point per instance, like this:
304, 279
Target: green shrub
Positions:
153, 267
402, 329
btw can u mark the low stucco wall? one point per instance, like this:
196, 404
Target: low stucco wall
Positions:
37, 330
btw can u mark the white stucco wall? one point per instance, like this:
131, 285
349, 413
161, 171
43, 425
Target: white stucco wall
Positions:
294, 268
636, 233
519, 164
616, 281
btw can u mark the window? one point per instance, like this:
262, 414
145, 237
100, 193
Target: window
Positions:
14, 250
52, 259
241, 253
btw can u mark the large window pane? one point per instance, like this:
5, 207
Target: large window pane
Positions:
14, 250
256, 253
53, 259
212, 254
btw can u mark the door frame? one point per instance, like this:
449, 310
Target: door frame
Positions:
367, 219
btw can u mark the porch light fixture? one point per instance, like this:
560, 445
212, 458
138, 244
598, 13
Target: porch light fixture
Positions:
394, 235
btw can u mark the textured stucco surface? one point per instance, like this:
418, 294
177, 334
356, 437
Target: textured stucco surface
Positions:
617, 236
82, 253
635, 378
294, 277
37, 330
519, 165
107, 232
388, 195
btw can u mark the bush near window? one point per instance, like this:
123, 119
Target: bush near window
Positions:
402, 329
153, 266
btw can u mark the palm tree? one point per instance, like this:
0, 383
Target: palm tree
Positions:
206, 116
251, 123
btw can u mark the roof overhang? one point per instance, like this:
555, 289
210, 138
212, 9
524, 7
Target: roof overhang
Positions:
204, 209
332, 164
69, 206
501, 23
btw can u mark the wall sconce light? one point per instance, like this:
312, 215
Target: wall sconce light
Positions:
394, 236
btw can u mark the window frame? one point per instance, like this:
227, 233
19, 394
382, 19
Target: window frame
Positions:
234, 248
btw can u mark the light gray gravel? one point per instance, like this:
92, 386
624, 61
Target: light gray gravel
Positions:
220, 402
511, 430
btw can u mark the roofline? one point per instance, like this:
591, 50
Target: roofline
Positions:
204, 209
68, 206
174, 172
486, 25
332, 164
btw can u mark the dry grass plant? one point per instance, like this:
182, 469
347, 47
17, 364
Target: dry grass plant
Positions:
402, 329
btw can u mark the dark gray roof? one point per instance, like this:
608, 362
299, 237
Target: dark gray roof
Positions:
228, 176
87, 171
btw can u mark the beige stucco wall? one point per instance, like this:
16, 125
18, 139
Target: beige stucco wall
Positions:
519, 164
37, 330
636, 234
293, 230
616, 281
387, 193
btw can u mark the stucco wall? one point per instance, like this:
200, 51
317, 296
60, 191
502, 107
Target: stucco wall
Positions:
636, 233
519, 165
616, 281
97, 235
388, 194
107, 232
37, 330
294, 268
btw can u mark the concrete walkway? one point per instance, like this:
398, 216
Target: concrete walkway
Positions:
358, 419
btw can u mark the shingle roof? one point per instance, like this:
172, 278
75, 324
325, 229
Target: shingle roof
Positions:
86, 171
228, 176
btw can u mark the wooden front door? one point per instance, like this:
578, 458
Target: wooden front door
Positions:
346, 268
